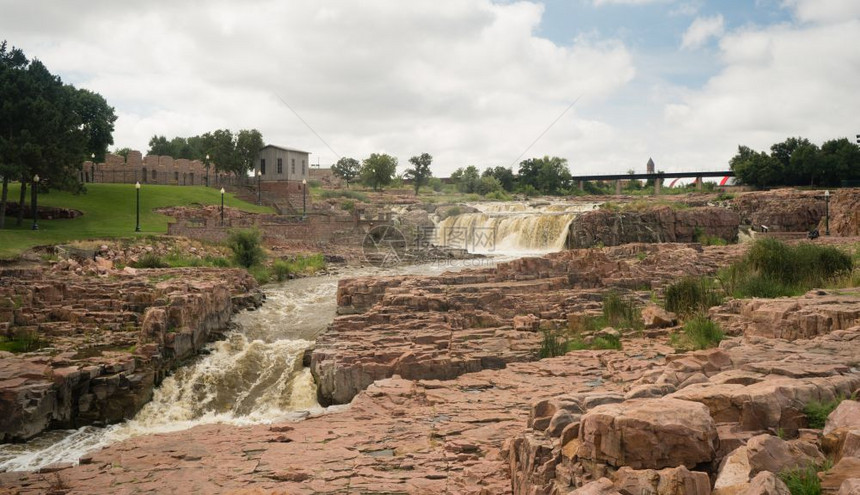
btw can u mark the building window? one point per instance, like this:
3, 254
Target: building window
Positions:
191, 176
280, 165
144, 174
154, 176
303, 167
293, 166
176, 177
262, 166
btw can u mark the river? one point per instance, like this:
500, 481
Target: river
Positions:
255, 375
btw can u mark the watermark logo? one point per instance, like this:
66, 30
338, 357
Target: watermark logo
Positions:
384, 246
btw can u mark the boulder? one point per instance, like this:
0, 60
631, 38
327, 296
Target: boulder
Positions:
846, 414
734, 472
766, 483
649, 434
603, 486
849, 487
848, 468
526, 323
672, 481
770, 453
656, 317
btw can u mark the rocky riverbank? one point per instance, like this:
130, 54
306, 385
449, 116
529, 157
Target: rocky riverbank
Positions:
94, 347
447, 394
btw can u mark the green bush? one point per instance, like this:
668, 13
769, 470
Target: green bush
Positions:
150, 260
552, 345
621, 312
691, 295
805, 480
27, 341
499, 196
247, 251
348, 205
698, 333
816, 412
315, 184
774, 269
435, 184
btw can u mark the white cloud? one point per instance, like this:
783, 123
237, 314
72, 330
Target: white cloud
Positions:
701, 30
629, 2
824, 10
465, 80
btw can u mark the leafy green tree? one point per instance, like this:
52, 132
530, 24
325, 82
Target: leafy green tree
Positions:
504, 175
13, 113
548, 175
783, 152
248, 145
467, 179
347, 169
378, 170
159, 145
420, 172
756, 168
840, 160
488, 184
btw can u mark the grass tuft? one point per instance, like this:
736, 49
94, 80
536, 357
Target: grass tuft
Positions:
691, 295
698, 333
816, 411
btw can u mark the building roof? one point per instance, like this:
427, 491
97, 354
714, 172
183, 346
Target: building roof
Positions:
284, 148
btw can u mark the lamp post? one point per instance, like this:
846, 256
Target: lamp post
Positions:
207, 170
92, 167
137, 224
827, 212
304, 197
259, 191
35, 201
222, 206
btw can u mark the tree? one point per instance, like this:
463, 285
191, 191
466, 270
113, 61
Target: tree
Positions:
840, 160
159, 145
783, 152
467, 179
347, 169
488, 184
248, 145
505, 176
756, 168
420, 172
378, 170
548, 175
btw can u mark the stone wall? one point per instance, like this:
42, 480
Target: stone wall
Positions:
660, 224
152, 169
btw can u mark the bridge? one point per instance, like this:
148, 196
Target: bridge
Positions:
657, 177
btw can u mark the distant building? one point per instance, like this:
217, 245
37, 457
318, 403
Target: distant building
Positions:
649, 167
276, 163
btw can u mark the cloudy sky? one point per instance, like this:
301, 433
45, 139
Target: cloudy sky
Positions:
604, 83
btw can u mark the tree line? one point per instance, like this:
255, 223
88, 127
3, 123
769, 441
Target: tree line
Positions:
47, 128
227, 152
545, 176
798, 162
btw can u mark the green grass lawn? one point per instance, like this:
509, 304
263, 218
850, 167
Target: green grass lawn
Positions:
109, 212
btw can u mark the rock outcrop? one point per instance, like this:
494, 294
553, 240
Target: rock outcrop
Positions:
658, 224
100, 345
844, 213
441, 327
781, 210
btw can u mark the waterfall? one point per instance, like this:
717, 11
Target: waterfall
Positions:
510, 227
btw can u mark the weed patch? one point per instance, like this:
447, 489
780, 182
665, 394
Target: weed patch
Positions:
698, 333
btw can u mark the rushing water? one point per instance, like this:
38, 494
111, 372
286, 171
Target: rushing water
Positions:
253, 376
513, 228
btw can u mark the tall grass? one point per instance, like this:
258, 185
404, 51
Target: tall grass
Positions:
774, 269
354, 195
804, 480
621, 311
698, 333
692, 295
302, 265
816, 411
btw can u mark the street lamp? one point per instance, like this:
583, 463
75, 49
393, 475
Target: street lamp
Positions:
827, 212
259, 191
35, 200
222, 206
137, 225
304, 197
92, 167
207, 170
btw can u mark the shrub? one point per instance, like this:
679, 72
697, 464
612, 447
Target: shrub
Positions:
552, 345
260, 273
805, 480
22, 341
691, 295
246, 248
816, 412
499, 196
621, 312
348, 205
698, 333
150, 260
281, 270
435, 184
314, 183
774, 269
354, 195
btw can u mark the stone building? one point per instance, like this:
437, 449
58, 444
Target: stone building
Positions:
152, 169
649, 167
276, 163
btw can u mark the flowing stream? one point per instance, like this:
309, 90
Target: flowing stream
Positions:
253, 376
256, 375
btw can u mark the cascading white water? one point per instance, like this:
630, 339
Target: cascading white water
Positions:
510, 228
253, 376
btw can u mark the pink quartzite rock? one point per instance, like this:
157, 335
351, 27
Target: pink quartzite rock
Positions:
767, 483
649, 434
672, 481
